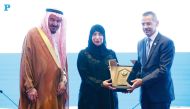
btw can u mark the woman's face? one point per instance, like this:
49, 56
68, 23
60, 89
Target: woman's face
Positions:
97, 38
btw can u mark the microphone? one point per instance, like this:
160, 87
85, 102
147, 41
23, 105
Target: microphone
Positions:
8, 98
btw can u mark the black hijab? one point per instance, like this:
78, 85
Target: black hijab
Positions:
98, 52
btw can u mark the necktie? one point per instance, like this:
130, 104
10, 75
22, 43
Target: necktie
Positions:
148, 47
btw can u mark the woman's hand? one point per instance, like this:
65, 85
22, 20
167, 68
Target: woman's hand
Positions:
108, 84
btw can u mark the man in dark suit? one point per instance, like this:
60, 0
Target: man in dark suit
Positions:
155, 58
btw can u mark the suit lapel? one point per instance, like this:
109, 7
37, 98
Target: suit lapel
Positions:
144, 51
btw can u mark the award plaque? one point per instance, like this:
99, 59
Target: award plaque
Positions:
120, 75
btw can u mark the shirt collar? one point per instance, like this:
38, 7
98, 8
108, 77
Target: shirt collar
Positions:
153, 36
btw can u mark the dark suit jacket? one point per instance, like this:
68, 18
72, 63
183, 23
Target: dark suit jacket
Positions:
155, 71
